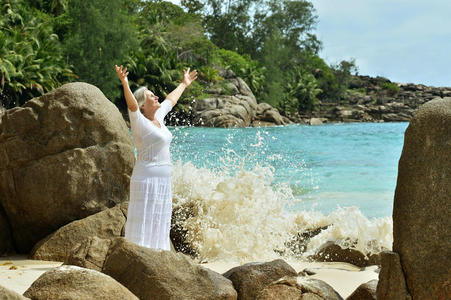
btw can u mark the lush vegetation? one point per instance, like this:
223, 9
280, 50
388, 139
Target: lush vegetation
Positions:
269, 43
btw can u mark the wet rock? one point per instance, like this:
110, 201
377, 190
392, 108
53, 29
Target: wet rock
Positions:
421, 224
392, 284
180, 214
68, 155
333, 252
71, 282
7, 294
159, 274
298, 288
249, 279
106, 224
365, 291
309, 272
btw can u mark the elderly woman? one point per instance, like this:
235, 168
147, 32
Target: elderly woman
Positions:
150, 208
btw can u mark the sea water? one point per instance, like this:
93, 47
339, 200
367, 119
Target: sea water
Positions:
328, 166
250, 190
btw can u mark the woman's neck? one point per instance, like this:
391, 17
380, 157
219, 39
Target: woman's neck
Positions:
150, 114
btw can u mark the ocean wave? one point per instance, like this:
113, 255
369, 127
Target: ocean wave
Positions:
240, 215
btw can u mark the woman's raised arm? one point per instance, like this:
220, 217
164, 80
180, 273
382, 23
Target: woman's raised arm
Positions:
132, 104
188, 78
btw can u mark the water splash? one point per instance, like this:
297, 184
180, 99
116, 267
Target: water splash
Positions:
236, 209
243, 217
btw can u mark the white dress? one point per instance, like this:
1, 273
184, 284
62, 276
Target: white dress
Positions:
150, 208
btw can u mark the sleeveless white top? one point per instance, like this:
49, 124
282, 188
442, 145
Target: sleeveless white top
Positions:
151, 142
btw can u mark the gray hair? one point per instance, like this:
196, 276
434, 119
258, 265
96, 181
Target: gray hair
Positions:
140, 96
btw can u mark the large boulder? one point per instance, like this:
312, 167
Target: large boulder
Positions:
421, 222
230, 103
298, 288
266, 115
392, 284
365, 291
332, 252
159, 274
6, 239
91, 254
65, 155
71, 282
106, 224
249, 279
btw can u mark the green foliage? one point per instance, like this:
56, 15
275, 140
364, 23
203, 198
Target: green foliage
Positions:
301, 92
254, 75
231, 60
358, 91
54, 7
31, 60
209, 74
268, 43
243, 25
243, 66
100, 35
274, 58
193, 6
167, 39
390, 87
332, 80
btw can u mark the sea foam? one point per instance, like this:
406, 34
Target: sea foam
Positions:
240, 215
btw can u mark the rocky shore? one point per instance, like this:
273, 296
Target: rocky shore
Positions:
66, 158
374, 99
230, 103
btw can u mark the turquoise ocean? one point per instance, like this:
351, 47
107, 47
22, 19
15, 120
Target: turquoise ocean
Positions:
247, 192
327, 166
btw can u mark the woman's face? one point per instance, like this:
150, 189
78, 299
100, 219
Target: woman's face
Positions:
151, 103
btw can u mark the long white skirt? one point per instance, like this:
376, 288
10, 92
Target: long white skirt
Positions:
150, 208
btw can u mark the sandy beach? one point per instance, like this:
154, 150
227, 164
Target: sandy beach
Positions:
18, 273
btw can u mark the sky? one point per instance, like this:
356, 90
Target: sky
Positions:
406, 41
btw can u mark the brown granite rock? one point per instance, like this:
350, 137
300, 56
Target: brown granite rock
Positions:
333, 252
7, 294
90, 254
71, 282
67, 155
249, 279
106, 224
265, 114
280, 291
365, 291
230, 103
299, 287
159, 274
392, 284
6, 239
421, 220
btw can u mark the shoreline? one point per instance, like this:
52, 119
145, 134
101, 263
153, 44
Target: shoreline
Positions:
343, 277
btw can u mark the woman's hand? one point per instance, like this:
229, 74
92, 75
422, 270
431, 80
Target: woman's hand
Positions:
188, 77
122, 74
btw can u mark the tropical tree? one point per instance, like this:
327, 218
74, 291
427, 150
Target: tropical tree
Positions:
31, 58
99, 35
301, 92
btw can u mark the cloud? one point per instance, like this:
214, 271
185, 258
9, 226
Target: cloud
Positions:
406, 41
